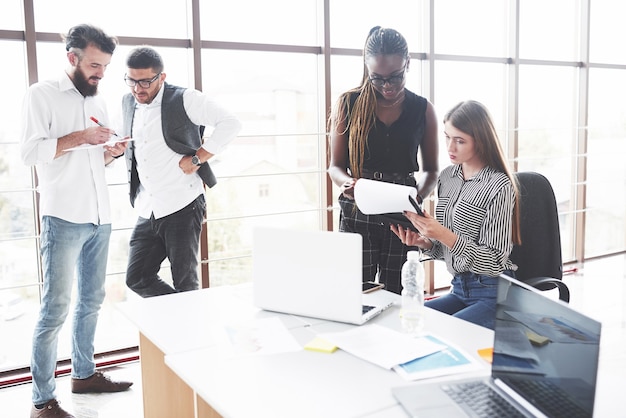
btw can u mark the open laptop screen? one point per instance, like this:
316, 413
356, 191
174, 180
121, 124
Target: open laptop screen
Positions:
547, 352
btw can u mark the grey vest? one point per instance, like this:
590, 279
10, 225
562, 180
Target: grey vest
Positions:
181, 135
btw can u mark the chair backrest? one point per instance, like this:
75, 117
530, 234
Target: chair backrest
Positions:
540, 252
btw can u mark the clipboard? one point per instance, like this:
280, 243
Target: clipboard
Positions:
386, 200
397, 219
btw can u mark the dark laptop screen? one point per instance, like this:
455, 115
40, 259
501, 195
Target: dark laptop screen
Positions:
544, 350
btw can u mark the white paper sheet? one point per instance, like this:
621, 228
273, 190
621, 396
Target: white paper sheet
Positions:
261, 336
382, 346
374, 197
451, 360
110, 143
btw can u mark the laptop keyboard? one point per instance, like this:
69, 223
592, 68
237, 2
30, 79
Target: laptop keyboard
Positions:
481, 399
367, 308
548, 397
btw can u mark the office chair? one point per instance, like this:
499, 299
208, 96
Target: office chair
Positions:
539, 257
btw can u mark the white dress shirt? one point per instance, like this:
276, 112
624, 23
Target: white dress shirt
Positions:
72, 187
164, 187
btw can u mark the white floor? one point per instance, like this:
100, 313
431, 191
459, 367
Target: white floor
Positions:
15, 402
598, 289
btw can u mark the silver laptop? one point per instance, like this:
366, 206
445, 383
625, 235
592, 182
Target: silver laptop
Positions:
318, 274
545, 364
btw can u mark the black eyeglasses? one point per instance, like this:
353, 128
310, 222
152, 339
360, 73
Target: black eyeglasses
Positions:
131, 82
393, 80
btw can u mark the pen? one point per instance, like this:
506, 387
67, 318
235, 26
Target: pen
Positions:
101, 124
416, 206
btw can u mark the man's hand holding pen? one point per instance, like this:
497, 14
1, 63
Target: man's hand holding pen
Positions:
116, 150
96, 135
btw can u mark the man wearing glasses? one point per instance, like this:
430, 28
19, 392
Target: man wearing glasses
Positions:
167, 169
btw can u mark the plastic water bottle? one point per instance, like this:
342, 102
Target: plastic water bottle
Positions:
412, 311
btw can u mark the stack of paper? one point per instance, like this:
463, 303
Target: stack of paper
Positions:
413, 358
382, 346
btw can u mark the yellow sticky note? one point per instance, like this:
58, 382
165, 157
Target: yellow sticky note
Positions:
537, 339
486, 354
320, 344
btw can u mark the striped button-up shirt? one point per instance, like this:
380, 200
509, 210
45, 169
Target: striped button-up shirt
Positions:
480, 212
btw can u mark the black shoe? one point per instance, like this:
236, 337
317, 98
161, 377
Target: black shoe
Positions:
98, 383
51, 409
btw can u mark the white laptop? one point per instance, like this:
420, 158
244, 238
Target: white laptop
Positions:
318, 274
545, 364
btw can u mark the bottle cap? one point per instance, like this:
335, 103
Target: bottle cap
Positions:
413, 255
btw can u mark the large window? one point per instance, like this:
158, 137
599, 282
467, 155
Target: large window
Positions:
605, 207
138, 18
550, 30
19, 267
267, 22
548, 135
548, 71
474, 28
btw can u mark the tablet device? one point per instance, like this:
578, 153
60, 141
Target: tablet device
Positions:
398, 219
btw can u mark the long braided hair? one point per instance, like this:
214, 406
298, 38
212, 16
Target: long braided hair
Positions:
360, 117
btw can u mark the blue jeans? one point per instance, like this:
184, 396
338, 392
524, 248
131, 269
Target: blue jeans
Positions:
67, 248
177, 237
472, 298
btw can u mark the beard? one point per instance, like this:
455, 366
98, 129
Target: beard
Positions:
82, 83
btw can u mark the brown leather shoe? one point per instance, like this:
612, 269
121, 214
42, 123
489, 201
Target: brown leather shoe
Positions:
50, 410
98, 383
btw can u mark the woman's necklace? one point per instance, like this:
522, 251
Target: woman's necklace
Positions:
400, 99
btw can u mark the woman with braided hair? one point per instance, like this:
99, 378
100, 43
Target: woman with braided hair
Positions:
376, 131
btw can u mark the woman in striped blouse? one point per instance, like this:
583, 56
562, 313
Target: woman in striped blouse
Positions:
477, 216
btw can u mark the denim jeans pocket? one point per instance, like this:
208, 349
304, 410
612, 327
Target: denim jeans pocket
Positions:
487, 281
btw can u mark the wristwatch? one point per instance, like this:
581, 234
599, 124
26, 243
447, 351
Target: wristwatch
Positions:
196, 160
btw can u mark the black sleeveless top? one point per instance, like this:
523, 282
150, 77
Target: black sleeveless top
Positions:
393, 149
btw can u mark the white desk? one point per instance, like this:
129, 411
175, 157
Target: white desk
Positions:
179, 323
186, 372
308, 383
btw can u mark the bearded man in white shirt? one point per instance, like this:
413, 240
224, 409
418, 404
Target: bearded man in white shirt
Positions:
74, 210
